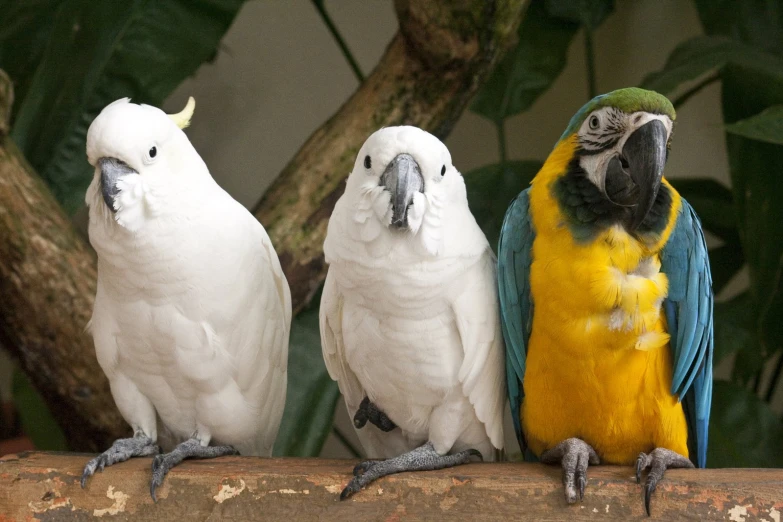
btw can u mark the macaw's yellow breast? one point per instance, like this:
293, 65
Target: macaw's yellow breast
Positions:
598, 364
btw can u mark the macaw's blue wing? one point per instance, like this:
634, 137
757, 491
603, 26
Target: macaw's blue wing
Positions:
688, 309
516, 305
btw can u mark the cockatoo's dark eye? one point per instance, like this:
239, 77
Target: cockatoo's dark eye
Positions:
153, 152
443, 171
594, 122
367, 162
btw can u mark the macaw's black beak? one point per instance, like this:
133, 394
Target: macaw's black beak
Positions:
112, 170
403, 179
645, 154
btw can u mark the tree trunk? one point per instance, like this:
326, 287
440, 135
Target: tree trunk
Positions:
433, 66
47, 274
47, 286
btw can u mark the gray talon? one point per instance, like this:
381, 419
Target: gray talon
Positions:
574, 455
191, 448
658, 460
423, 458
137, 446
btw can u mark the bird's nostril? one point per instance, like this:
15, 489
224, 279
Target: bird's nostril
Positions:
624, 162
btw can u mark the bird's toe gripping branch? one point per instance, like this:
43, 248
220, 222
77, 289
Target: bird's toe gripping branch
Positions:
137, 446
191, 448
368, 411
423, 458
658, 460
574, 455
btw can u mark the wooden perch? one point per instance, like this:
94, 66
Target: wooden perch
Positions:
41, 486
433, 66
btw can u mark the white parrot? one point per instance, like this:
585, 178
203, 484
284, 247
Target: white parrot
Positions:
192, 311
410, 326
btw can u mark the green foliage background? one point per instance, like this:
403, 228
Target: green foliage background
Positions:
69, 58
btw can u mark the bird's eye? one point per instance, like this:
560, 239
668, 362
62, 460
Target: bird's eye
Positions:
367, 162
443, 171
153, 152
594, 122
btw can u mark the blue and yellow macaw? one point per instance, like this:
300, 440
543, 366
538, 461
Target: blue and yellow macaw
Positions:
606, 300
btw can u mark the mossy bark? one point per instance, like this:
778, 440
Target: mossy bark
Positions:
433, 66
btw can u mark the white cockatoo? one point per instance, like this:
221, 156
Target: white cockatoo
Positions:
410, 327
192, 312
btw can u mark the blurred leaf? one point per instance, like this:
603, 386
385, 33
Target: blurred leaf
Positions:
734, 327
312, 395
712, 201
101, 51
702, 54
24, 30
37, 421
744, 432
756, 22
725, 262
755, 169
528, 70
766, 126
492, 188
589, 13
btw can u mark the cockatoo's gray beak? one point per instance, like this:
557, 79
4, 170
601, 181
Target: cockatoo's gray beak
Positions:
112, 170
403, 179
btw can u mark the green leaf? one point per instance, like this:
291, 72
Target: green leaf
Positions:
712, 201
589, 13
744, 431
766, 126
703, 54
528, 70
755, 22
733, 321
101, 51
492, 188
37, 421
24, 30
312, 395
755, 169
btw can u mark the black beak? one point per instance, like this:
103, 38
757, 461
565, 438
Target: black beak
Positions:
402, 178
645, 154
112, 170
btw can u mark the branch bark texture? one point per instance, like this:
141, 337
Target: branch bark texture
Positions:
47, 286
433, 66
42, 486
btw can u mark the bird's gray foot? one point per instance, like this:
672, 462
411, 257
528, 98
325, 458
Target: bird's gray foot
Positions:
423, 458
191, 448
137, 446
658, 460
574, 455
370, 412
361, 467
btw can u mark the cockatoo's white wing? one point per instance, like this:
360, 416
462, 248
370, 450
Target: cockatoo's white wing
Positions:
482, 373
376, 443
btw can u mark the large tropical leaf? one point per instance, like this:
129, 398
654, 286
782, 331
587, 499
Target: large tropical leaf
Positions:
698, 56
529, 69
766, 126
25, 27
744, 431
100, 51
492, 188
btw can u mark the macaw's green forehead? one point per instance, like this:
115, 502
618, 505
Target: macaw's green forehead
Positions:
628, 100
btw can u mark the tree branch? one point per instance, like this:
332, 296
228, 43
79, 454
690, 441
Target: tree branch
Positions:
431, 69
47, 284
